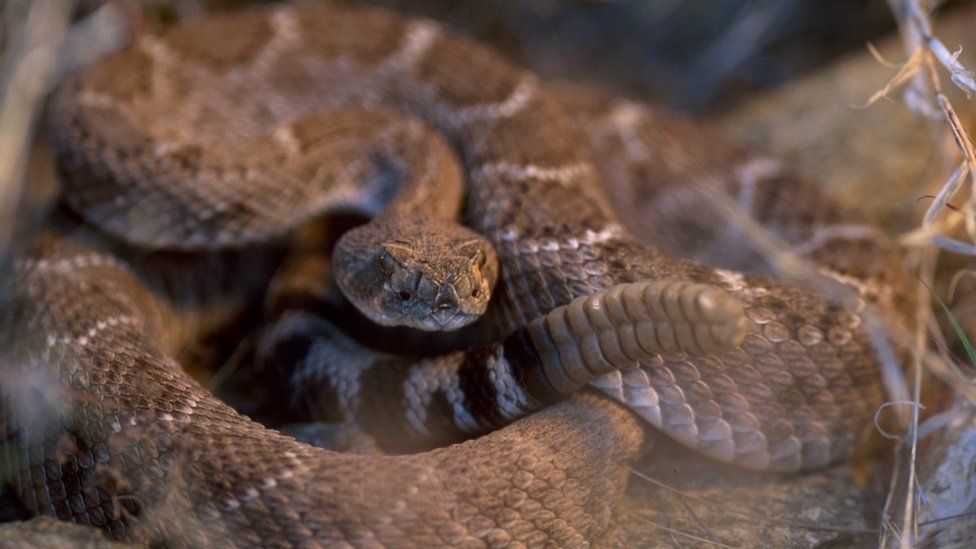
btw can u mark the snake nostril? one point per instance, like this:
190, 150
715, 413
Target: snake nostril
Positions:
405, 295
475, 292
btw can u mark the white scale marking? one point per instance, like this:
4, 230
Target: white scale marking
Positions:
419, 37
285, 32
157, 50
40, 266
417, 397
563, 175
165, 148
625, 119
93, 99
101, 325
344, 378
640, 395
284, 135
750, 174
733, 281
268, 483
419, 389
190, 406
588, 238
609, 232
462, 418
160, 53
284, 23
512, 401
516, 101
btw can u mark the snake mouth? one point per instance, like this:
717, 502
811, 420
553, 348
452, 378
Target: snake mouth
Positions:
447, 320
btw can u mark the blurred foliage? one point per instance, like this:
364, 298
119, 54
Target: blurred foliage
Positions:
688, 53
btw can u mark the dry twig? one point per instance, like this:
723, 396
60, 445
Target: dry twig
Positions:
926, 97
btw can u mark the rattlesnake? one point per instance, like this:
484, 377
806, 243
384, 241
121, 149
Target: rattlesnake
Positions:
143, 451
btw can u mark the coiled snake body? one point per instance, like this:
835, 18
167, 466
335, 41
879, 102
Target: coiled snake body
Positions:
127, 441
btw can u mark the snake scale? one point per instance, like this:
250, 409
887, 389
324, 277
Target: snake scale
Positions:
101, 426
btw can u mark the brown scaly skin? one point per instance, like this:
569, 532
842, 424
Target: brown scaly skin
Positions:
443, 283
144, 452
796, 393
407, 403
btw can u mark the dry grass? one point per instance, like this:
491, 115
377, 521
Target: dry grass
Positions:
924, 95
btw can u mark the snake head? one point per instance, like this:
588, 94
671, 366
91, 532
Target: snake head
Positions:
435, 276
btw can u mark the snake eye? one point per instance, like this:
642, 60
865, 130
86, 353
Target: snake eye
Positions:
387, 264
481, 259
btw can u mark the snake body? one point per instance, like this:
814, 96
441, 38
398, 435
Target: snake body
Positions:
128, 442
